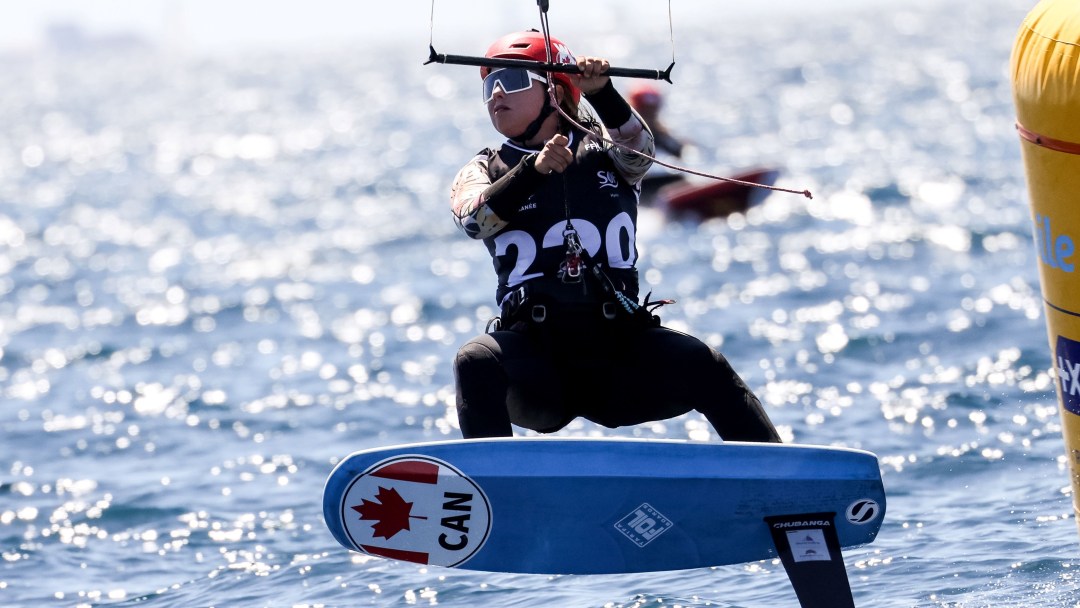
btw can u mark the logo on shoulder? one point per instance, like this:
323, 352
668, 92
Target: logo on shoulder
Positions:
417, 509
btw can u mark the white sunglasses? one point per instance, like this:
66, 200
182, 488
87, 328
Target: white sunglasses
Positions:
510, 80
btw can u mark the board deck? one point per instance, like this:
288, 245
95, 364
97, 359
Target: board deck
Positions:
595, 506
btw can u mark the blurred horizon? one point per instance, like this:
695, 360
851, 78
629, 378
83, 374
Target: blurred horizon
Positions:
205, 27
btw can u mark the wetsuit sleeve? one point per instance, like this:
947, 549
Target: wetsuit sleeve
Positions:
506, 195
475, 218
481, 207
624, 127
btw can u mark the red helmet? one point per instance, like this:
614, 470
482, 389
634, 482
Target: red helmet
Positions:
530, 45
645, 95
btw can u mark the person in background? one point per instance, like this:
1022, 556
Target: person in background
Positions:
661, 186
556, 207
646, 99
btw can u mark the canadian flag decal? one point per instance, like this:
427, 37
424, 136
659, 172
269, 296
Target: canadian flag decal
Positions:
418, 509
390, 513
418, 471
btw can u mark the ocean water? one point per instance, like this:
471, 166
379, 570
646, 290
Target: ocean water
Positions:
219, 275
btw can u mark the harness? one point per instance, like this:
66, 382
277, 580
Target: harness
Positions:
581, 295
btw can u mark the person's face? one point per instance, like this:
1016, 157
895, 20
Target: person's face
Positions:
511, 113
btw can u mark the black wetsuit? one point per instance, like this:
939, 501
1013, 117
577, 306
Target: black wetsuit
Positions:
571, 348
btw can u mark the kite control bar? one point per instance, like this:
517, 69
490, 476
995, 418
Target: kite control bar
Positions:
541, 66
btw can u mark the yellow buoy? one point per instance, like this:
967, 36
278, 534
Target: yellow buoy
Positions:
1045, 69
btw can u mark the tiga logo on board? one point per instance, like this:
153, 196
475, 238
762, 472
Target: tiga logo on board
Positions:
417, 509
1067, 354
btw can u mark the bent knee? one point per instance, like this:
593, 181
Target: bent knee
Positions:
476, 351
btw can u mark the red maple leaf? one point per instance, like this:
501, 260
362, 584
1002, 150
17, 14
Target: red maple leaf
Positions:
391, 512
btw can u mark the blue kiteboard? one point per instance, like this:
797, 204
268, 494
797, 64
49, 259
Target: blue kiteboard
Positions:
588, 506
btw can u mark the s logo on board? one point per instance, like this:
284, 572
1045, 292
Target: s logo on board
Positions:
863, 511
417, 509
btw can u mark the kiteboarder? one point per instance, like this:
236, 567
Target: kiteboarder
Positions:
647, 100
556, 207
